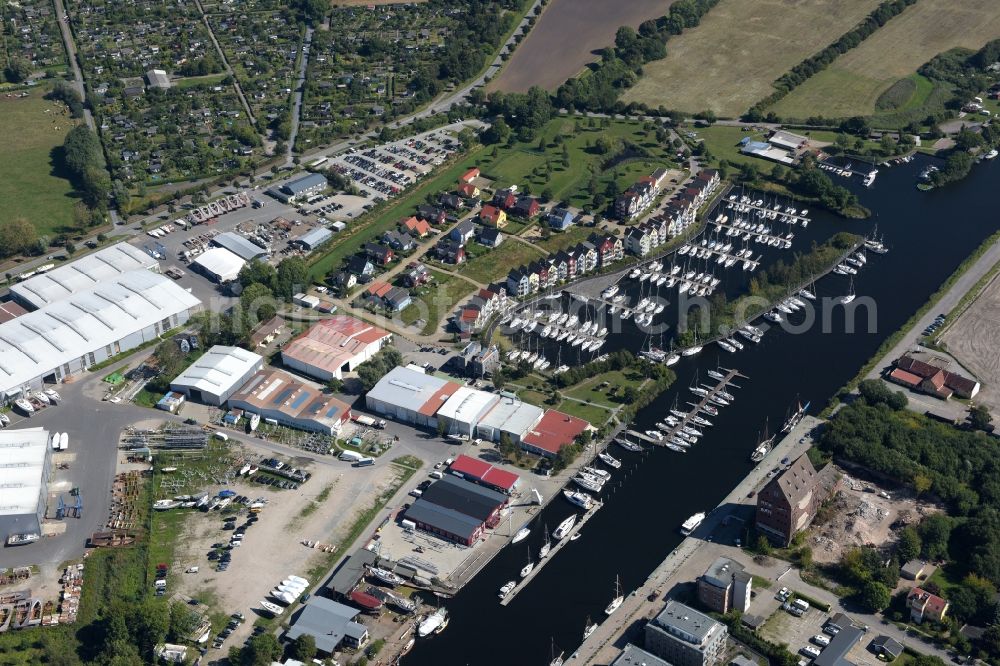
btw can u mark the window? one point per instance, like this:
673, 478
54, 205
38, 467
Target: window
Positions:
91, 357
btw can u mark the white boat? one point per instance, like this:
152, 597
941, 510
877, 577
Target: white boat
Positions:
41, 397
521, 535
53, 394
805, 293
273, 609
506, 589
433, 623
543, 552
164, 504
849, 296
566, 525
609, 460
589, 628
582, 500
992, 154
599, 473
22, 539
692, 523
618, 599
588, 483
527, 569
672, 359
691, 351
4, 419
24, 406
384, 575
254, 422
726, 346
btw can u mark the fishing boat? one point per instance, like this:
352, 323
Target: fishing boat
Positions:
582, 500
609, 460
434, 623
22, 539
506, 589
692, 523
618, 599
543, 552
589, 628
385, 576
272, 609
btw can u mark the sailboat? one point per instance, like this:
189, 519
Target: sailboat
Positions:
764, 445
589, 628
546, 545
556, 660
618, 600
850, 294
527, 568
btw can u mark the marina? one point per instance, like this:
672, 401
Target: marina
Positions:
521, 584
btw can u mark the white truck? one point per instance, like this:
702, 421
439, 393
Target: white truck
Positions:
63, 441
351, 456
369, 421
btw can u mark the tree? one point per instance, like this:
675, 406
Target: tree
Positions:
909, 544
336, 385
303, 648
507, 447
18, 70
70, 249
16, 236
291, 278
875, 596
258, 303
980, 418
763, 545
257, 271
261, 650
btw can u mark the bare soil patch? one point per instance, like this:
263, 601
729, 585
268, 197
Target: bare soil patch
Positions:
973, 339
566, 37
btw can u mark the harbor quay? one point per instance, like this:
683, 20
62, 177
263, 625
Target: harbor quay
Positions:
716, 535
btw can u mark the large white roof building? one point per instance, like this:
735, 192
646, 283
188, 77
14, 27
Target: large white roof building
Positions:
217, 374
89, 326
218, 264
465, 408
24, 468
82, 274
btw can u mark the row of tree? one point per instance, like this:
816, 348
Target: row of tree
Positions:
84, 160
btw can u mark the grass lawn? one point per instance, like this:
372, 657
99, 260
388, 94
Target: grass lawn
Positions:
495, 265
30, 186
435, 301
600, 389
207, 80
723, 142
852, 84
594, 414
730, 60
533, 397
558, 240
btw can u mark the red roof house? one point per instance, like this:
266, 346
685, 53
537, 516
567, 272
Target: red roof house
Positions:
470, 175
484, 473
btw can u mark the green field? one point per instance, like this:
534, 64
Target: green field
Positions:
435, 301
606, 388
730, 60
593, 414
30, 186
852, 84
558, 240
497, 263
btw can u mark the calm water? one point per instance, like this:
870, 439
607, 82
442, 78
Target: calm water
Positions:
929, 235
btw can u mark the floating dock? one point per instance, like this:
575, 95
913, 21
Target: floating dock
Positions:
556, 547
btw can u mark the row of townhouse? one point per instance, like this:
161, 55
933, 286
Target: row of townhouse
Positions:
586, 257
676, 217
640, 196
485, 304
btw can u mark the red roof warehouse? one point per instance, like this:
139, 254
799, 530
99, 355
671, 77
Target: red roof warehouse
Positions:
483, 473
553, 432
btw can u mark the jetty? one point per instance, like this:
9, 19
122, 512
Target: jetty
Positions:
556, 547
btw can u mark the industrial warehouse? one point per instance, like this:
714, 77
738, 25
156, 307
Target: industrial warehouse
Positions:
282, 399
412, 396
334, 346
86, 326
217, 374
25, 458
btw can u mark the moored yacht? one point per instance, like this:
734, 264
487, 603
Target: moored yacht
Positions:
692, 523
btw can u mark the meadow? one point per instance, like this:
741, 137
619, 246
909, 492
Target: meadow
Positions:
31, 186
853, 83
730, 60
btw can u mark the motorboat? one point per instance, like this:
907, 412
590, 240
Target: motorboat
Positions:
599, 473
582, 500
588, 483
565, 526
272, 609
521, 535
527, 569
24, 406
164, 504
52, 394
254, 422
22, 539
692, 523
506, 589
41, 397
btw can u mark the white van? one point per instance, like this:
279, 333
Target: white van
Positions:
801, 604
221, 435
436, 475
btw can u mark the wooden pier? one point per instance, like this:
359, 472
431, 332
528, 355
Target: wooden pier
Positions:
738, 205
696, 409
556, 547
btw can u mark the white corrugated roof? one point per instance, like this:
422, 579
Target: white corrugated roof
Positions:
34, 344
221, 262
82, 274
467, 404
22, 462
218, 369
513, 416
406, 388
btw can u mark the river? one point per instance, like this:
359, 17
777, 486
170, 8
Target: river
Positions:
929, 234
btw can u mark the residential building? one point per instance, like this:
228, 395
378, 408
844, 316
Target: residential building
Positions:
635, 656
432, 214
449, 251
789, 501
468, 190
560, 219
490, 237
685, 637
925, 606
399, 241
526, 208
518, 282
932, 379
492, 216
333, 346
380, 254
886, 648
505, 199
638, 198
280, 398
157, 78
638, 241
416, 275
469, 175
913, 570
560, 263
26, 460
609, 249
463, 232
360, 266
266, 331
725, 586
451, 201
217, 374
416, 226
